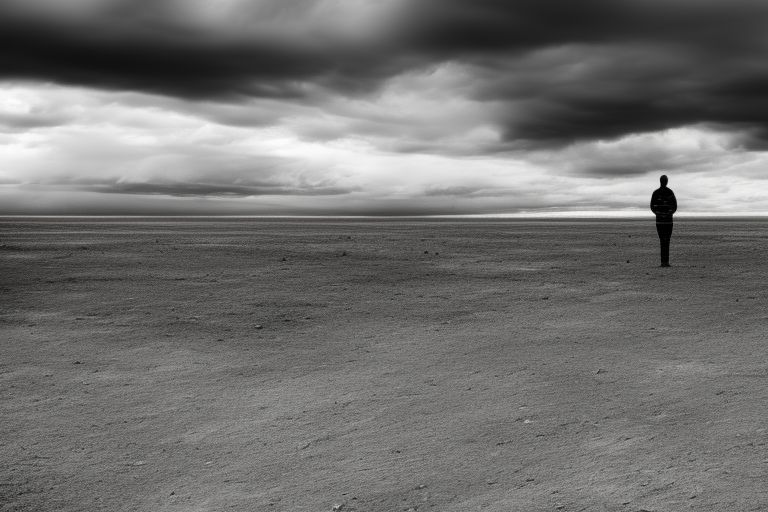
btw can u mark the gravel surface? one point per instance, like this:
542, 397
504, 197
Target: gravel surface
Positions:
382, 365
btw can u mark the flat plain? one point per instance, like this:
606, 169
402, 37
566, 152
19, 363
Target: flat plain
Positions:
382, 365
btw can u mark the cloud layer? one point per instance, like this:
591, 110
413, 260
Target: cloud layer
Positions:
562, 71
343, 100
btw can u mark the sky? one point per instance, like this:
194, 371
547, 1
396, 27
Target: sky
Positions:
382, 107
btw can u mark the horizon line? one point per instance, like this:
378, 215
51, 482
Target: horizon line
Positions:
511, 216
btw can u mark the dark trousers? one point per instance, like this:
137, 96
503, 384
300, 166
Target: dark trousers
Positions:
665, 233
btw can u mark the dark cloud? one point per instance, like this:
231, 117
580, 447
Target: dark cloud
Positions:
570, 71
617, 97
157, 47
191, 189
560, 71
12, 122
466, 27
187, 68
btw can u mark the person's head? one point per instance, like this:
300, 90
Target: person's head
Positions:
663, 180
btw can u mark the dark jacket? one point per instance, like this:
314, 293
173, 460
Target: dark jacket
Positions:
663, 204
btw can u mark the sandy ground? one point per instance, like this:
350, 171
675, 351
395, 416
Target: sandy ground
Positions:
390, 365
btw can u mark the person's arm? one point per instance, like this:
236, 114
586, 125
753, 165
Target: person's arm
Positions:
673, 204
653, 202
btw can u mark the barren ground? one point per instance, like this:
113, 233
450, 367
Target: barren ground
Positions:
382, 365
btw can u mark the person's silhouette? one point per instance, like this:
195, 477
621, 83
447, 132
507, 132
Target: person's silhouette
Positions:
664, 205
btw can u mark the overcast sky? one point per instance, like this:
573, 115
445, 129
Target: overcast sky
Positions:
381, 106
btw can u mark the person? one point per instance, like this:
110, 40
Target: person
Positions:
664, 205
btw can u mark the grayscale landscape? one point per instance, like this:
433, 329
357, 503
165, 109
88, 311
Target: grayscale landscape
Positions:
199, 364
383, 256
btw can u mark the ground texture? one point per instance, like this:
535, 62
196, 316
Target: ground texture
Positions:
382, 365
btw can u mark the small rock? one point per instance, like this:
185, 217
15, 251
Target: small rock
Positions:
77, 362
258, 326
344, 253
599, 371
337, 507
426, 252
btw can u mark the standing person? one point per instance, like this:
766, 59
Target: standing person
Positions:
664, 205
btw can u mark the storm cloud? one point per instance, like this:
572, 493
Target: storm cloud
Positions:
347, 106
560, 71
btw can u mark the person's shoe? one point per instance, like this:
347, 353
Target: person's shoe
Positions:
665, 265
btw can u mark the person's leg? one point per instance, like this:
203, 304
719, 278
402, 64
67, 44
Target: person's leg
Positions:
665, 234
660, 232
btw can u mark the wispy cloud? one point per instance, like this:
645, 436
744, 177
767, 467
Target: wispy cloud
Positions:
188, 189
